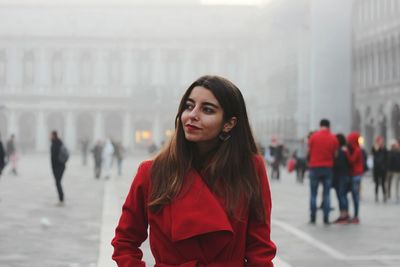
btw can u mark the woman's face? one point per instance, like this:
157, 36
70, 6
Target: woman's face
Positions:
202, 118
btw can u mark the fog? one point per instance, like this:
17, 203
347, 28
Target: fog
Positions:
97, 69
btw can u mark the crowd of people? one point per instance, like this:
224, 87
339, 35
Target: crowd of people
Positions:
105, 154
339, 162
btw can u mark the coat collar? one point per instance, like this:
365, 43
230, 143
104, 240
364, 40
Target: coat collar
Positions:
197, 211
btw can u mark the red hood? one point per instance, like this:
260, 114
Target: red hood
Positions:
352, 139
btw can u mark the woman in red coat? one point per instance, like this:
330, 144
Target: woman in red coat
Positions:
205, 197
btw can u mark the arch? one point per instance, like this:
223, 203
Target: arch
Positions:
56, 122
113, 126
369, 129
85, 126
27, 132
395, 123
143, 133
382, 125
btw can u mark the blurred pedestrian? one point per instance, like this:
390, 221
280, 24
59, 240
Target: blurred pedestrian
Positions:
2, 157
205, 197
119, 156
322, 147
342, 181
393, 168
12, 154
58, 162
276, 156
97, 152
84, 150
356, 160
107, 158
379, 153
301, 160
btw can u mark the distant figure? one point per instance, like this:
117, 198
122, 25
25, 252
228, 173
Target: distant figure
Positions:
2, 157
379, 153
356, 160
322, 146
12, 154
393, 168
119, 155
57, 164
301, 160
84, 150
97, 152
276, 156
107, 157
342, 180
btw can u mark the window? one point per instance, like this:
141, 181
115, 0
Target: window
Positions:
86, 69
57, 68
115, 67
28, 68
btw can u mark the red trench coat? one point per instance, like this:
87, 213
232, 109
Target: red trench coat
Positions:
193, 231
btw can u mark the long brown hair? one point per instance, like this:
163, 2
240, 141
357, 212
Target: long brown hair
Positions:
231, 165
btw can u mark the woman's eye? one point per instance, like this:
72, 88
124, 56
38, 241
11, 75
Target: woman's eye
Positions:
208, 110
189, 106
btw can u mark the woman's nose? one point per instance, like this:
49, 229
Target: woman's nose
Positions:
194, 114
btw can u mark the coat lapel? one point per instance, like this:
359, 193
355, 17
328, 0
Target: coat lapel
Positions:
197, 212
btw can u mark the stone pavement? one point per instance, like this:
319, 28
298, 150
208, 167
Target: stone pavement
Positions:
34, 232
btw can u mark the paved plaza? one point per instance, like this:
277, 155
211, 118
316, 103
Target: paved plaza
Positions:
35, 232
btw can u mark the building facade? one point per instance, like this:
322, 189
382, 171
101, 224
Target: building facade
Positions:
67, 68
376, 69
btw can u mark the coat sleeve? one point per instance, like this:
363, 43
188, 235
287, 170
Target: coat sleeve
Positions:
131, 231
260, 250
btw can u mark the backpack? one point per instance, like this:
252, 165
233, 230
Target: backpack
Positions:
63, 155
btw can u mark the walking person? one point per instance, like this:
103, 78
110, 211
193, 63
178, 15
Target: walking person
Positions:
394, 168
84, 149
276, 153
205, 197
379, 153
12, 154
58, 162
97, 152
322, 147
119, 156
301, 160
341, 174
356, 160
107, 158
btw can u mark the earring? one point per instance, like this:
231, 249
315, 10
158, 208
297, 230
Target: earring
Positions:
223, 136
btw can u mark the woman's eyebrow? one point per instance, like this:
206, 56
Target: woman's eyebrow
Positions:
204, 103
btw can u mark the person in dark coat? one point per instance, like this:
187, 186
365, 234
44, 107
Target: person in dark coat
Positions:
97, 151
379, 152
57, 166
205, 198
393, 169
341, 178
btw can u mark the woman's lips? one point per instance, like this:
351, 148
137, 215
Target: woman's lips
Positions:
190, 127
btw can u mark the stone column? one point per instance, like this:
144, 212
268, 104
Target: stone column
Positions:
127, 133
157, 131
331, 63
98, 126
42, 136
70, 131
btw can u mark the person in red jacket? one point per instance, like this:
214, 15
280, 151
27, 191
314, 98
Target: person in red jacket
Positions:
322, 147
356, 160
205, 197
